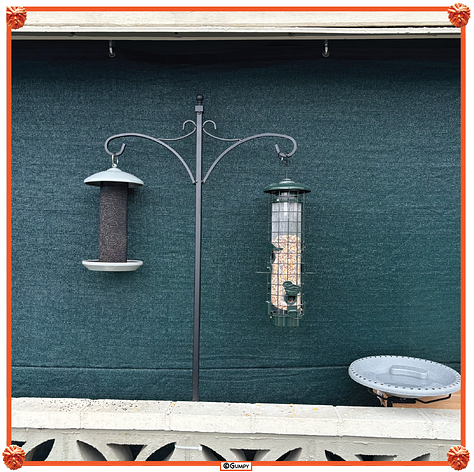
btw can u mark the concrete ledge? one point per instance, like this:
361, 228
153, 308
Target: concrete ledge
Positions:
236, 418
191, 25
174, 20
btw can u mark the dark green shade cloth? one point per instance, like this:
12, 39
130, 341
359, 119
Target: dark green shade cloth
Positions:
379, 147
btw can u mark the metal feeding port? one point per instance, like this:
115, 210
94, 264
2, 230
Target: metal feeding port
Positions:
405, 379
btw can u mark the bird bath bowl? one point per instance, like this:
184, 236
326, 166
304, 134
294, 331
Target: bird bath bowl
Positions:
405, 377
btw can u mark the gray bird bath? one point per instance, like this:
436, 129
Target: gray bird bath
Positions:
405, 377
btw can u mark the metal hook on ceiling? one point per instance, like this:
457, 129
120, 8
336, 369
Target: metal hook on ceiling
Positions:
326, 52
111, 48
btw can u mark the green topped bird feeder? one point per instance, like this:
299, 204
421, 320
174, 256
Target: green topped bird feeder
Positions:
285, 285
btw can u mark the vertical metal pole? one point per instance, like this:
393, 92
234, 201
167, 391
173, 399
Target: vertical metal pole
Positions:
197, 255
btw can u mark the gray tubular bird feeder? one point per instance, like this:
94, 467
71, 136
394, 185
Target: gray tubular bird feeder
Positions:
114, 185
285, 287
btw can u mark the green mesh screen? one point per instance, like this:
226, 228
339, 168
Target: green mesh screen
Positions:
378, 144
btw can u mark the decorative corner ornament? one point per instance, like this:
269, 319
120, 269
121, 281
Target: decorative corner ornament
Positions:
16, 17
14, 456
459, 14
458, 457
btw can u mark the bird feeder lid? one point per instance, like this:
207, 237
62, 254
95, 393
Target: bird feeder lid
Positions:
406, 377
287, 184
113, 174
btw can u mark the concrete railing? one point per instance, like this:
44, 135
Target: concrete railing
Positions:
63, 429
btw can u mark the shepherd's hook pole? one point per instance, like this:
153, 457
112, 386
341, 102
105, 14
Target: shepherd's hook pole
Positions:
198, 180
197, 253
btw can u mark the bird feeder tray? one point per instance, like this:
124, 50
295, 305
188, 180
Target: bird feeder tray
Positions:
95, 264
405, 377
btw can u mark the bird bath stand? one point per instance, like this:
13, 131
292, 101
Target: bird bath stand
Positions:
405, 380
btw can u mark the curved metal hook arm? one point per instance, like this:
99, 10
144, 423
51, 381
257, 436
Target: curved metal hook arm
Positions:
217, 137
156, 140
241, 141
186, 135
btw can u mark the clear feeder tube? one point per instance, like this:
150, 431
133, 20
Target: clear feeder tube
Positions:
286, 227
